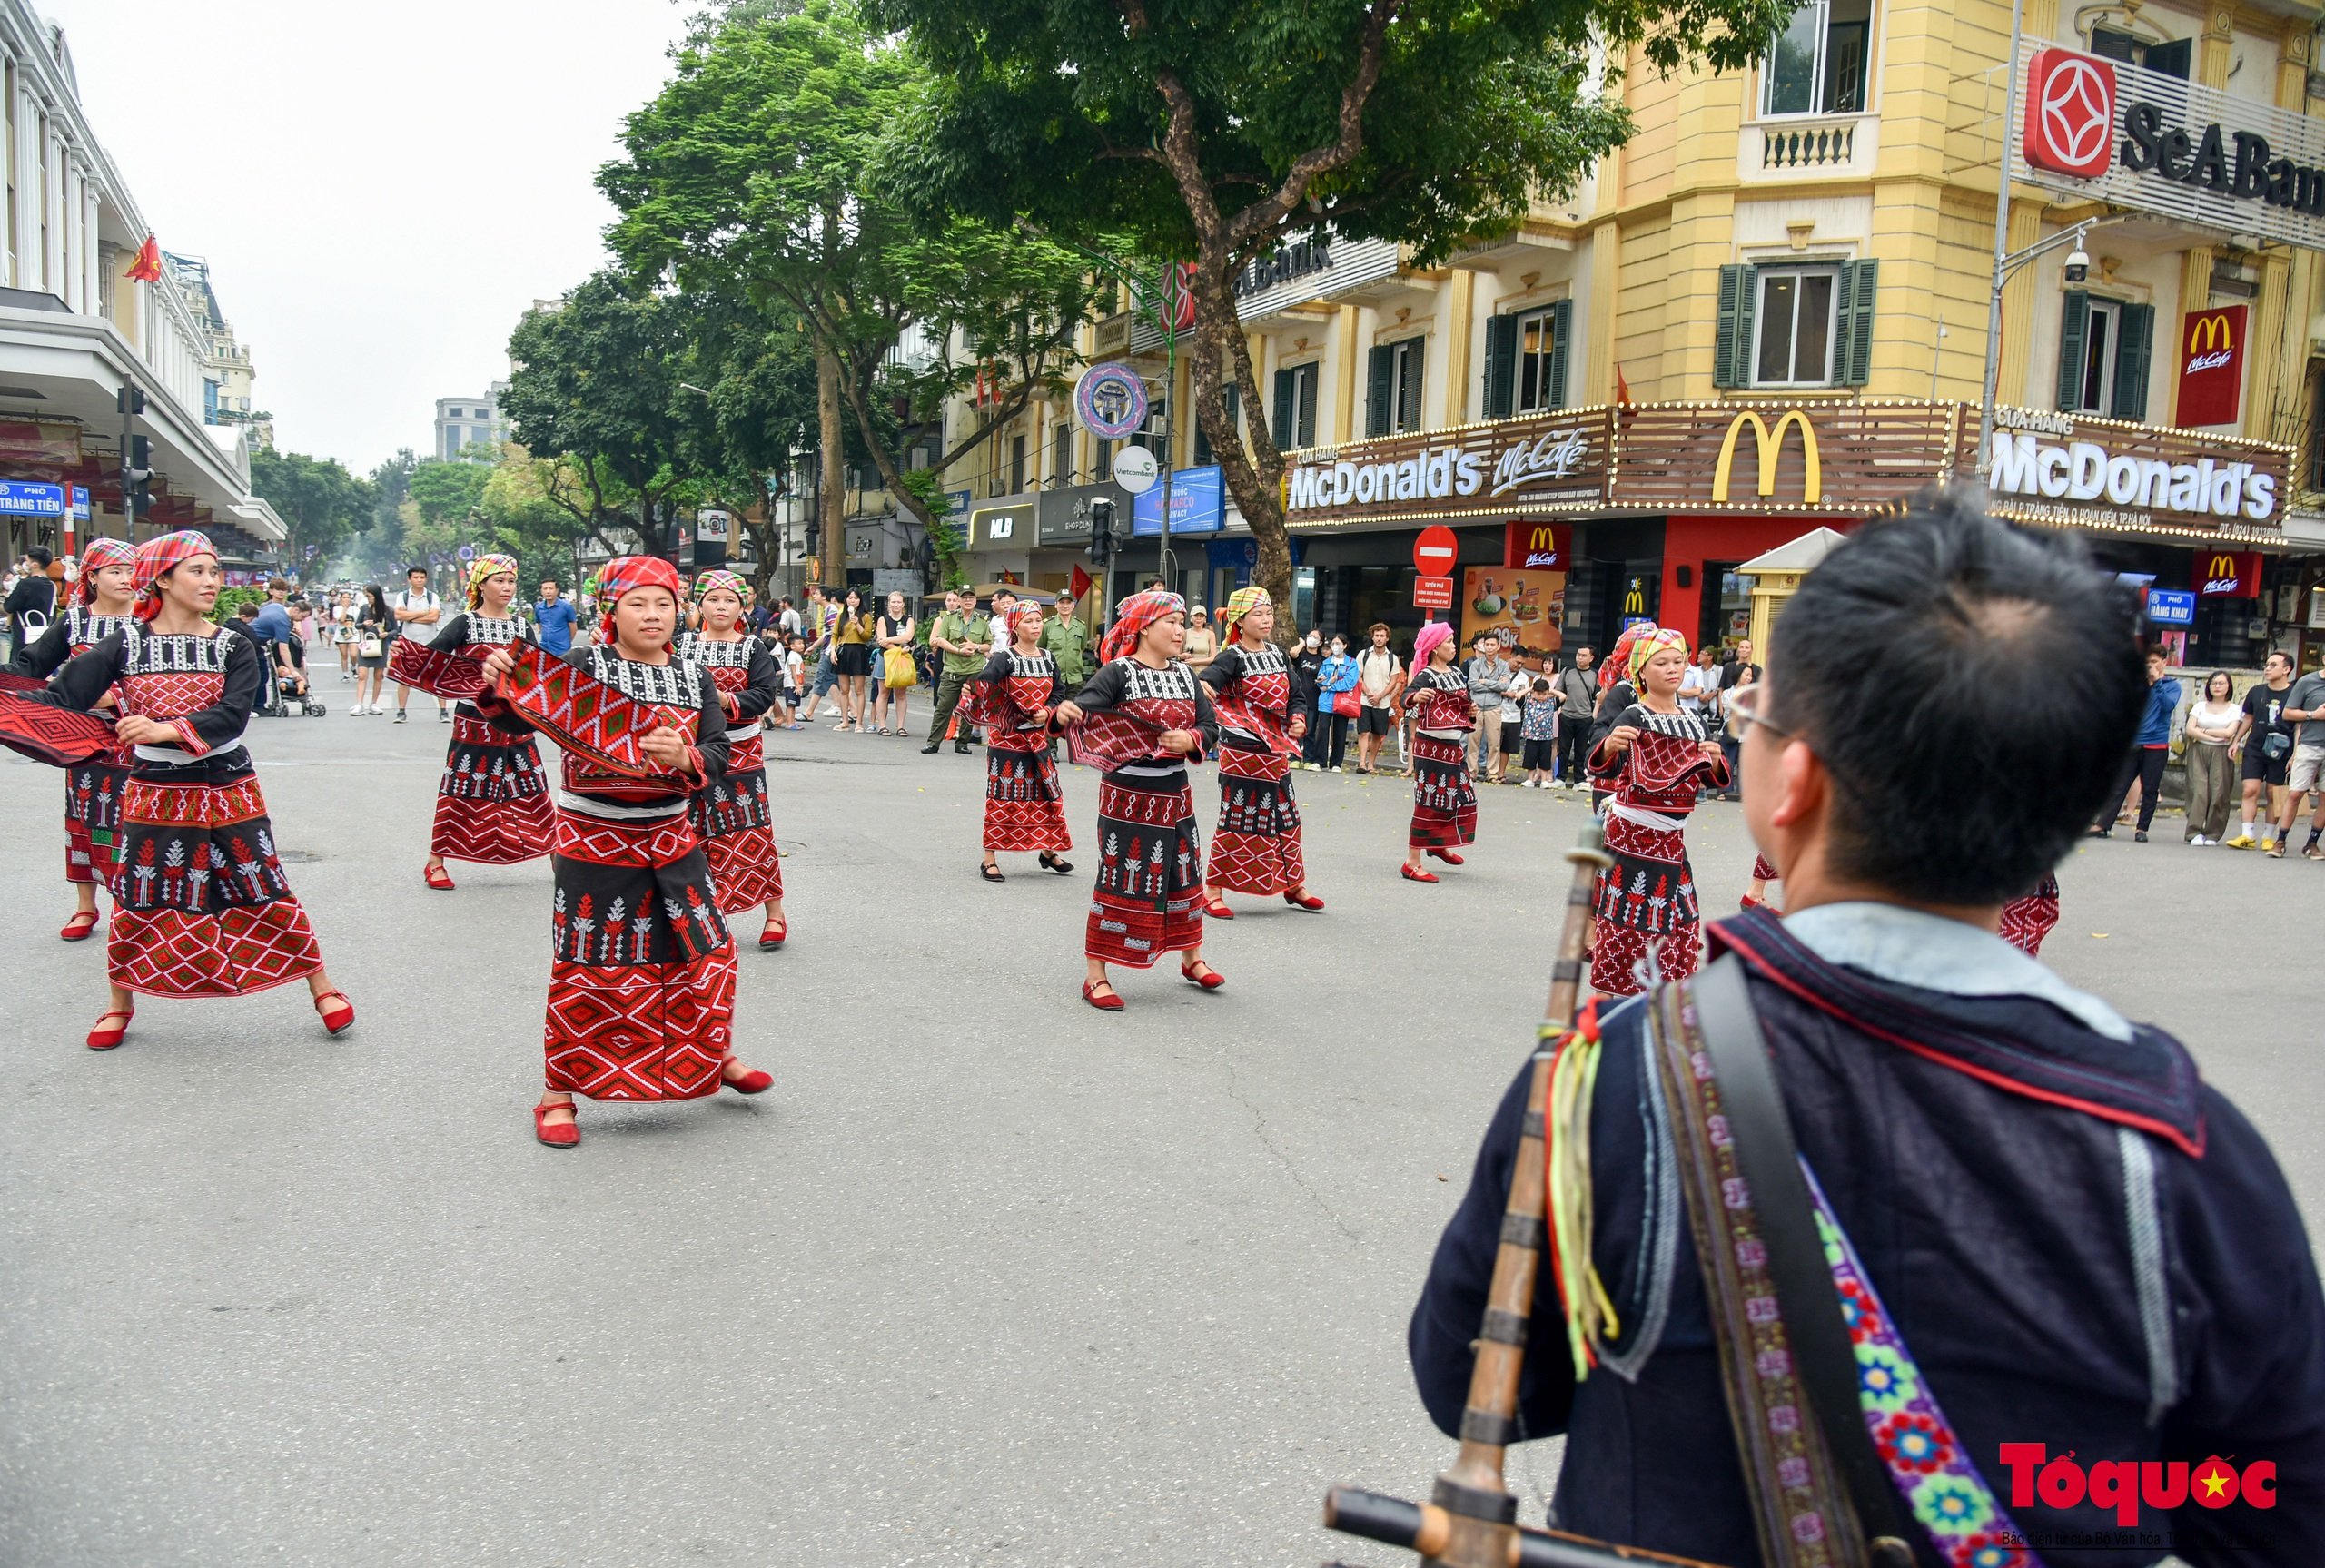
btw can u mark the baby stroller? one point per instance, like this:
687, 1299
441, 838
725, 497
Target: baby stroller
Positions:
284, 696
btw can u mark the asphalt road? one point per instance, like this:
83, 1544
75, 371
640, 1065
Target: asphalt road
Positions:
989, 1278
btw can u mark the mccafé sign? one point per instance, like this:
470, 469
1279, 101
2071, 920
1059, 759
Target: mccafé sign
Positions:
2229, 574
1536, 546
2139, 138
1553, 459
2212, 365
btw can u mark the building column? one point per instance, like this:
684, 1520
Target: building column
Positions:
1350, 350
1606, 275
1457, 314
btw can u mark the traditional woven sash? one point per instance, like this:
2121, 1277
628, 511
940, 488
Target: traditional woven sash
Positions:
60, 737
1661, 761
1234, 712
1800, 1505
585, 715
456, 676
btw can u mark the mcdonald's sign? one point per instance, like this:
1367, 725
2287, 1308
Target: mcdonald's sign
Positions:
1768, 446
2212, 365
2228, 574
1537, 547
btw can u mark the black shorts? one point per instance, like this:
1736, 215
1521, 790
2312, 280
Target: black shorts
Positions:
1539, 754
1371, 721
2256, 766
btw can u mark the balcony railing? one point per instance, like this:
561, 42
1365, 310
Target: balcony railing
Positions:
1810, 145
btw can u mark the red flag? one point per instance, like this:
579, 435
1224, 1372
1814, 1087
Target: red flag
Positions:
1622, 387
147, 268
1081, 588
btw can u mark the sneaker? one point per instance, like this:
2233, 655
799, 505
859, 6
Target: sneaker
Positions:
2241, 840
444, 716
2198, 841
1339, 770
1525, 784
2313, 851
2139, 835
2276, 849
402, 715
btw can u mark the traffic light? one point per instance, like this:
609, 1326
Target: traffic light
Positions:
128, 401
139, 473
1102, 531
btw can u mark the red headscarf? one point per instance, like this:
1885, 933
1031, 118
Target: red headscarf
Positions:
1028, 611
156, 558
1134, 616
624, 573
100, 554
1617, 664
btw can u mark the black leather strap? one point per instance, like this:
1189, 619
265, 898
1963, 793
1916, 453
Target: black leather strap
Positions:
1770, 1161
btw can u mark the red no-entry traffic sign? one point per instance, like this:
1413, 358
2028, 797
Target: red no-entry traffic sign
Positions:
1435, 553
1432, 593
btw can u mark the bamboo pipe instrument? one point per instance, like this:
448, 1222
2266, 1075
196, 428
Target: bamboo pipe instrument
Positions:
1471, 1518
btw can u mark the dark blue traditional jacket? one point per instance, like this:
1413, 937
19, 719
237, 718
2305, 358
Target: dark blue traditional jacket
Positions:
2082, 1245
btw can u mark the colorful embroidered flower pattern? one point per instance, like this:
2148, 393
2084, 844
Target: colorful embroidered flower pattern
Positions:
1910, 1441
1945, 1493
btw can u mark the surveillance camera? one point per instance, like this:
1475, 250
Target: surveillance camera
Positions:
2078, 267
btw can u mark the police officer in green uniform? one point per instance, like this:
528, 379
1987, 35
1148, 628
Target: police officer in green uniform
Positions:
1066, 640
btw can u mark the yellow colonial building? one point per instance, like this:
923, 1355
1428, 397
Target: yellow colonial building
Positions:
1813, 237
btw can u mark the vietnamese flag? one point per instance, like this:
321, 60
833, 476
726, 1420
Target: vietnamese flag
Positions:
1080, 588
147, 268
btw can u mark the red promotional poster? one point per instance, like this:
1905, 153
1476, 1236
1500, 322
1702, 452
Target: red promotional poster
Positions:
1537, 547
2228, 574
2212, 365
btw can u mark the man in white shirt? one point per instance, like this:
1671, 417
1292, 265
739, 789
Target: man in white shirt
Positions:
417, 613
1700, 684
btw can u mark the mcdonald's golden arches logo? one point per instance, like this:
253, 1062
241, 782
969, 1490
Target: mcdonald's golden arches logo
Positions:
2210, 331
1635, 597
1766, 445
2223, 565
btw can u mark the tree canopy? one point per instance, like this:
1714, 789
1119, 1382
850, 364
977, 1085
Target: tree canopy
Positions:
1212, 131
322, 506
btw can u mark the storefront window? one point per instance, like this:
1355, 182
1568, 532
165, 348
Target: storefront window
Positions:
1816, 65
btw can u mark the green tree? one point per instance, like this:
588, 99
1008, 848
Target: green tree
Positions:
1213, 131
321, 505
596, 383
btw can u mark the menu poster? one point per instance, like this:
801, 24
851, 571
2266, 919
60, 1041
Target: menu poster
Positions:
1524, 610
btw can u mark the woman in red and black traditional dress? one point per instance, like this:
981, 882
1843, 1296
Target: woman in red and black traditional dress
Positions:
93, 789
730, 812
492, 802
1445, 803
1257, 847
201, 905
1024, 807
1143, 715
2028, 918
641, 984
1654, 763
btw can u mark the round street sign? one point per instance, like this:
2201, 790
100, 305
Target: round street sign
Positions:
1110, 399
1435, 551
466, 552
1135, 469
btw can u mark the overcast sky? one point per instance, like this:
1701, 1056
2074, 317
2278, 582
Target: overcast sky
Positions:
380, 190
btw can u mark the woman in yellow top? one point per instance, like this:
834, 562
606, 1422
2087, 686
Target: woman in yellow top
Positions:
852, 658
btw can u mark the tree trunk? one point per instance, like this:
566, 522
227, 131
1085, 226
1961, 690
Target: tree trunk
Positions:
831, 504
1256, 482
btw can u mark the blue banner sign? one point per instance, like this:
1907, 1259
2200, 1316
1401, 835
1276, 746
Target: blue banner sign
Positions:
2170, 608
1198, 504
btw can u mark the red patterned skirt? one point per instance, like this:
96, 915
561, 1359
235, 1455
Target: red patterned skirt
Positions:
492, 802
93, 797
1148, 900
1445, 803
1761, 870
641, 986
201, 905
1257, 847
1644, 906
2025, 921
1024, 807
738, 833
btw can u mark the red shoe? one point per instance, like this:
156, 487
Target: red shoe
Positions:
438, 878
1110, 1002
569, 1135
772, 936
1209, 979
1748, 902
755, 1081
1300, 898
1409, 874
1216, 909
336, 1019
78, 927
1447, 855
104, 1039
